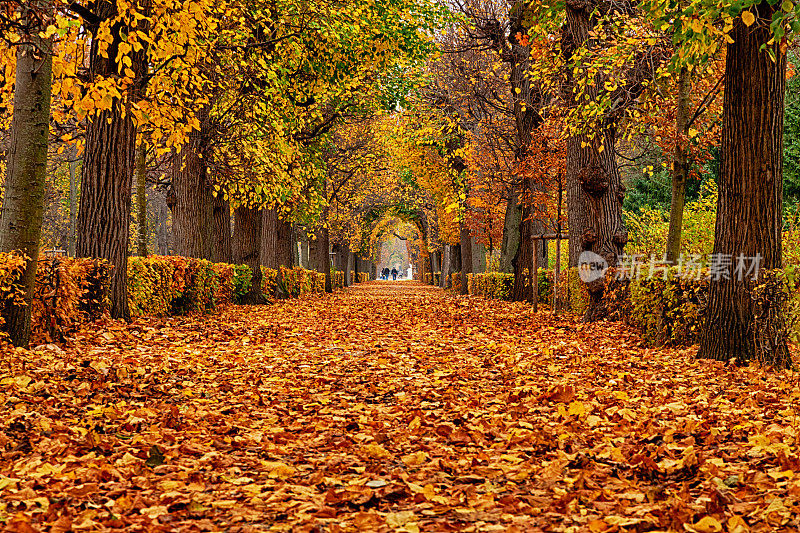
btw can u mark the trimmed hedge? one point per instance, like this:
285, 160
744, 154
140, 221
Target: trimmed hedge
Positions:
362, 277
70, 292
492, 285
173, 285
297, 281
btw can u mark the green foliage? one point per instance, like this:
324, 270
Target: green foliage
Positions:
242, 281
648, 228
791, 138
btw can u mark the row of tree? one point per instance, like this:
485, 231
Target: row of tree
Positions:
459, 126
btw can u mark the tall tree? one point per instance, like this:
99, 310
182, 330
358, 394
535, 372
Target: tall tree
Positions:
108, 164
141, 200
23, 204
190, 198
246, 244
750, 193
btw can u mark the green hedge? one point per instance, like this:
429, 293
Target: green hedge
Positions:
297, 281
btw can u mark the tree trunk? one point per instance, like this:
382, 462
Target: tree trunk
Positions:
443, 280
246, 247
107, 172
269, 239
221, 247
466, 256
750, 196
141, 199
680, 166
455, 258
304, 249
435, 266
323, 261
23, 205
191, 198
478, 257
594, 185
348, 268
73, 206
511, 233
283, 242
523, 261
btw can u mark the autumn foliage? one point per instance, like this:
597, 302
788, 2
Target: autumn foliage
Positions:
328, 412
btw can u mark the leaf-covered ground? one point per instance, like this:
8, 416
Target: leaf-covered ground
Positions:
390, 407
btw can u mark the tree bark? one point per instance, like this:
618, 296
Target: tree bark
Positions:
511, 233
466, 256
478, 257
304, 249
141, 199
221, 247
323, 261
107, 172
443, 280
579, 154
680, 166
750, 197
348, 268
191, 198
73, 206
23, 205
269, 239
594, 186
246, 248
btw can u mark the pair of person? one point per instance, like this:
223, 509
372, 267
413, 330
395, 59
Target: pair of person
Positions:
386, 272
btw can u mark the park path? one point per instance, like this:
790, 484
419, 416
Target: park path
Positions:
390, 406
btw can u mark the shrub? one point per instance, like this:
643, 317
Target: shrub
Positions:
172, 285
297, 281
68, 292
12, 266
667, 308
361, 277
455, 282
337, 279
492, 285
572, 291
648, 227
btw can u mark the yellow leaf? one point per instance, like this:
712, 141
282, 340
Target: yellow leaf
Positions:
376, 451
415, 459
693, 133
748, 18
708, 524
277, 469
576, 408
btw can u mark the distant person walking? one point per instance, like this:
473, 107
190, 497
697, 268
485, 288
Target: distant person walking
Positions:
394, 274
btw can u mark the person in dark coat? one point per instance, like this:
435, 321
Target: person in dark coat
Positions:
394, 274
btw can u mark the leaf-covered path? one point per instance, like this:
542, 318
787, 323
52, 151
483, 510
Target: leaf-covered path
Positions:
390, 407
